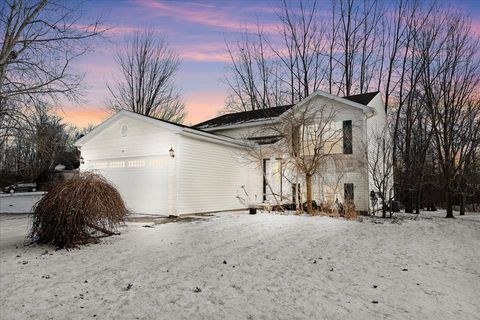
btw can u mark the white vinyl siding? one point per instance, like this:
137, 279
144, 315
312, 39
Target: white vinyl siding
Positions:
136, 162
214, 177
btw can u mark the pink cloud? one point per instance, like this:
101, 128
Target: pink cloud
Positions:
213, 52
203, 14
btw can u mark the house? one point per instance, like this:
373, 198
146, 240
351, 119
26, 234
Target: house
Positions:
162, 168
165, 168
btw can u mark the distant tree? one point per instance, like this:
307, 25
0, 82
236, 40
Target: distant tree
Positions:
449, 82
35, 147
253, 79
40, 41
147, 68
380, 167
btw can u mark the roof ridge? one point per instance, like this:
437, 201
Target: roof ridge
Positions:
361, 94
254, 114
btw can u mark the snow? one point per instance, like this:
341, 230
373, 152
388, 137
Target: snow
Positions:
276, 267
21, 202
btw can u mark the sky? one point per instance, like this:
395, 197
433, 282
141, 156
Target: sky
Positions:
196, 30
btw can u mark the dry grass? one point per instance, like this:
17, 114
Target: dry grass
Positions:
350, 212
75, 210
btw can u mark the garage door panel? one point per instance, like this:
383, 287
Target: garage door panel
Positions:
143, 183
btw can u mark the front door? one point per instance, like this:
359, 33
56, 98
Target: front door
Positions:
272, 180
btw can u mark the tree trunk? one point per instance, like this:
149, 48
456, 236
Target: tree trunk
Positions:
417, 202
308, 180
408, 202
298, 207
462, 204
448, 200
384, 208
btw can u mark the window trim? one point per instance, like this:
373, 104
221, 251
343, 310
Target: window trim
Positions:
347, 133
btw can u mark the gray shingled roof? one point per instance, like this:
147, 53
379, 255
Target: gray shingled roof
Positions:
241, 117
257, 115
363, 98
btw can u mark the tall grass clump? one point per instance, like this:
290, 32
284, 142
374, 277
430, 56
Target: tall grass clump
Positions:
77, 211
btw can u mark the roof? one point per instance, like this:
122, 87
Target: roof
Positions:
245, 116
363, 98
260, 114
180, 128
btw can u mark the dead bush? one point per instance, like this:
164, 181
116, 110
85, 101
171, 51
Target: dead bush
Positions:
350, 212
77, 211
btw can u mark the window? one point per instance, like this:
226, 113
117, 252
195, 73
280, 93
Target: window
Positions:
311, 139
347, 137
136, 163
124, 130
100, 164
157, 163
116, 164
348, 192
333, 138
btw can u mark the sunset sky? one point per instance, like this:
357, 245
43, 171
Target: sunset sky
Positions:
196, 30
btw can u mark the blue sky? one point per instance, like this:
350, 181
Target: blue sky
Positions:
197, 31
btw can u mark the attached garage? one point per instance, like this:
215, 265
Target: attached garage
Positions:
164, 168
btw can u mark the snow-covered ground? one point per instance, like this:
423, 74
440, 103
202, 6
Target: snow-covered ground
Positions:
239, 266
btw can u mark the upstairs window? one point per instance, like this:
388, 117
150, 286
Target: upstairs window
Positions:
333, 138
347, 137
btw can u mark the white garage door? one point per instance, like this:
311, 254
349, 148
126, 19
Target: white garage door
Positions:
142, 182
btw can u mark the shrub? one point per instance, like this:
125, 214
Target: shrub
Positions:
350, 212
75, 210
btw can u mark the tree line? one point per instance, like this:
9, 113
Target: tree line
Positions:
422, 56
42, 41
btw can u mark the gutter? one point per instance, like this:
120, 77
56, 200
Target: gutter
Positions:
242, 125
207, 136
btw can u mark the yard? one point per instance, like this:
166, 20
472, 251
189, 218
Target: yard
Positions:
240, 266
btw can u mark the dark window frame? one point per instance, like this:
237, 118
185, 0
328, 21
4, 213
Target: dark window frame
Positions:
348, 192
347, 137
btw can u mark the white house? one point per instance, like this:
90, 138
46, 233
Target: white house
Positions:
163, 168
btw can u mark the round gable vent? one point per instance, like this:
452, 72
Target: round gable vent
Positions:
124, 130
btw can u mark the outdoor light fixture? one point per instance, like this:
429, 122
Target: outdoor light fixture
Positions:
171, 152
82, 161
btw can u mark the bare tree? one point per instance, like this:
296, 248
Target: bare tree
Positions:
310, 139
34, 147
450, 82
146, 79
40, 42
254, 79
355, 46
302, 35
41, 39
380, 167
420, 57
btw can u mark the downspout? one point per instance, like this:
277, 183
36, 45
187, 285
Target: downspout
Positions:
367, 175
